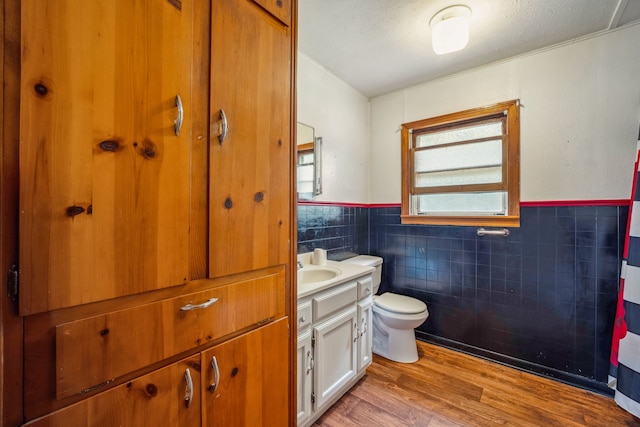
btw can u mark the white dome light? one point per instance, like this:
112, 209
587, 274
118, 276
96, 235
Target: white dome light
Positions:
450, 29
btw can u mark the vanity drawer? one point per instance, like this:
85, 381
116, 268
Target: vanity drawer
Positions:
365, 287
92, 351
304, 315
334, 300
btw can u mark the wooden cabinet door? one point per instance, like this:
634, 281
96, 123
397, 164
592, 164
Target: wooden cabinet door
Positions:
305, 376
162, 398
365, 334
104, 179
245, 380
335, 359
250, 148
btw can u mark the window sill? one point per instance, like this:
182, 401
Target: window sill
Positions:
475, 221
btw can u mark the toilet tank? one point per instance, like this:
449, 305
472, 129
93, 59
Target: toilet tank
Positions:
369, 261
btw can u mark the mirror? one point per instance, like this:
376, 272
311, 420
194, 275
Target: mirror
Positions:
309, 149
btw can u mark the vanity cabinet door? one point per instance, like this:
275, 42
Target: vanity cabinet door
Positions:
245, 379
104, 175
167, 397
365, 334
305, 377
335, 355
250, 141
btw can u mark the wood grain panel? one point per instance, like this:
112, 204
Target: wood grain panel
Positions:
104, 179
157, 399
250, 194
40, 380
448, 388
200, 173
253, 386
281, 9
11, 331
90, 352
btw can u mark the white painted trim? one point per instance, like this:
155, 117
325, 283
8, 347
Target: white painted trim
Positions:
617, 14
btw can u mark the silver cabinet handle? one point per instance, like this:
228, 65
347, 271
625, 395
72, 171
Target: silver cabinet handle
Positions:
188, 393
355, 332
303, 319
309, 362
364, 327
224, 127
205, 304
216, 375
180, 118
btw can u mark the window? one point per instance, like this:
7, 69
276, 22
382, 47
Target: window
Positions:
305, 169
463, 168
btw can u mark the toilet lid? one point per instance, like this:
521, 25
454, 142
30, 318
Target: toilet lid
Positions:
399, 303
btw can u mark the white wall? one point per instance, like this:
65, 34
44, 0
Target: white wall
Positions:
579, 117
340, 115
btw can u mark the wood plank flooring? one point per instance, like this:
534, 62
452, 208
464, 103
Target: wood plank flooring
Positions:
448, 388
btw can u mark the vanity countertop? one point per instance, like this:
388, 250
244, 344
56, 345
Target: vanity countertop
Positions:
347, 272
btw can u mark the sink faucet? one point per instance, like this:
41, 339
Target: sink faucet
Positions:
300, 264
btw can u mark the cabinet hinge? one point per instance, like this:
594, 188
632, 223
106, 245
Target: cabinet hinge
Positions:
313, 397
12, 285
313, 341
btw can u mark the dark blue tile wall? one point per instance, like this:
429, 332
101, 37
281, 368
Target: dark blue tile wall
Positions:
338, 229
542, 298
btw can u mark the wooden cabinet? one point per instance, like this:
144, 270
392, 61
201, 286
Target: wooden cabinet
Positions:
104, 175
243, 380
249, 206
156, 210
181, 323
334, 345
214, 387
167, 397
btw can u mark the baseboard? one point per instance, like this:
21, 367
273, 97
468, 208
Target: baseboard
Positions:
523, 365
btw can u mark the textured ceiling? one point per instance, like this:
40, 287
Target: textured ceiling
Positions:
379, 46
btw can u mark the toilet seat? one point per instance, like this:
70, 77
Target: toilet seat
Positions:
400, 304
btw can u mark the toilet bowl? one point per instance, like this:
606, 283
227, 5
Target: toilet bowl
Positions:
394, 318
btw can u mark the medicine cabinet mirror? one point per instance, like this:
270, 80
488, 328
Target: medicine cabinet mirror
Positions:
309, 162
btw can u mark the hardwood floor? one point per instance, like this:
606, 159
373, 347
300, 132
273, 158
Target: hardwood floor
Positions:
448, 388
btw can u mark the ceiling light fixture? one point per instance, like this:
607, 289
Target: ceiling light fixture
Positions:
450, 29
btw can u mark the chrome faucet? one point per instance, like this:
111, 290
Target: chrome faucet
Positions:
300, 265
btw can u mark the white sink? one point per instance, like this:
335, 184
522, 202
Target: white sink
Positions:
312, 274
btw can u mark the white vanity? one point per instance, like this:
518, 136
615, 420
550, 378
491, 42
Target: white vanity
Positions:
334, 333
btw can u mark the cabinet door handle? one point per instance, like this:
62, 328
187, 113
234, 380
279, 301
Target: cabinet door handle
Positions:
224, 127
188, 393
180, 118
355, 332
216, 375
364, 327
309, 362
207, 303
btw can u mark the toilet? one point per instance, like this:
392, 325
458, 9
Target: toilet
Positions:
394, 317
